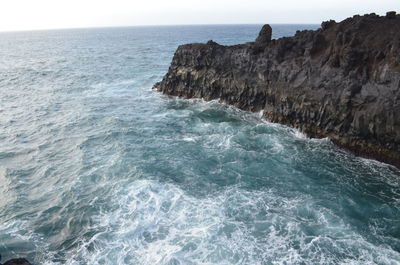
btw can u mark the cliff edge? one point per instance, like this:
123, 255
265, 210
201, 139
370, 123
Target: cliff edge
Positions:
341, 81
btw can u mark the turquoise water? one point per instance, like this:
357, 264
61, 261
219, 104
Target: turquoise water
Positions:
96, 168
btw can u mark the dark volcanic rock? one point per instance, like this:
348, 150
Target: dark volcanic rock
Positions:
341, 81
17, 262
391, 14
265, 34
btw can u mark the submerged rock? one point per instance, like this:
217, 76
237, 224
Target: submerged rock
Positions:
341, 81
17, 262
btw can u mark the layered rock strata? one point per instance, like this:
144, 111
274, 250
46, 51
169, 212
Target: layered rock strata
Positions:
341, 81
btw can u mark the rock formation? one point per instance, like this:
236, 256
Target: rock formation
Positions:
341, 81
19, 261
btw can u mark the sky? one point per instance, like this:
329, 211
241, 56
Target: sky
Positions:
54, 14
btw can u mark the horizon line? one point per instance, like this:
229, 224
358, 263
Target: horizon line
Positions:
151, 25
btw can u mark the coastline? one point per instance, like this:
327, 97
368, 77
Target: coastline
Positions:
336, 82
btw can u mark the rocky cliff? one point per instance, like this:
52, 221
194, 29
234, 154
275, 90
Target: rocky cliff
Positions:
341, 81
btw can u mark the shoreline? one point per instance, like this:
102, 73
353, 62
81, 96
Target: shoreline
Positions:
333, 82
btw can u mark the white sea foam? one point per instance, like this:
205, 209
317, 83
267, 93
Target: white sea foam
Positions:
189, 139
98, 169
300, 134
158, 223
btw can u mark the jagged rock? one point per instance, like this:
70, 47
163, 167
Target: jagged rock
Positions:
211, 42
341, 81
265, 34
391, 14
327, 24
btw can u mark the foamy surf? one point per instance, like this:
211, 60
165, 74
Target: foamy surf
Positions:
95, 168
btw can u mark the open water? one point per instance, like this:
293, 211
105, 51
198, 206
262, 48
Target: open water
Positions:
96, 168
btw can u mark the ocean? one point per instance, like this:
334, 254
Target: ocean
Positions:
98, 168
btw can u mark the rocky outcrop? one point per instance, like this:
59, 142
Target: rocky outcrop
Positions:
341, 81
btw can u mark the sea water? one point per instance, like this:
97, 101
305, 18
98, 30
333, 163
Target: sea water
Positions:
97, 168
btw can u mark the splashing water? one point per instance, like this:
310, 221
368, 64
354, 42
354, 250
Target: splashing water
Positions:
96, 168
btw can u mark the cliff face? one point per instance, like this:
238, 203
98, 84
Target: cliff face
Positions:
341, 81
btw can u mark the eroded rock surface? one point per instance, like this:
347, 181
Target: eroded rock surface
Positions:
341, 81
